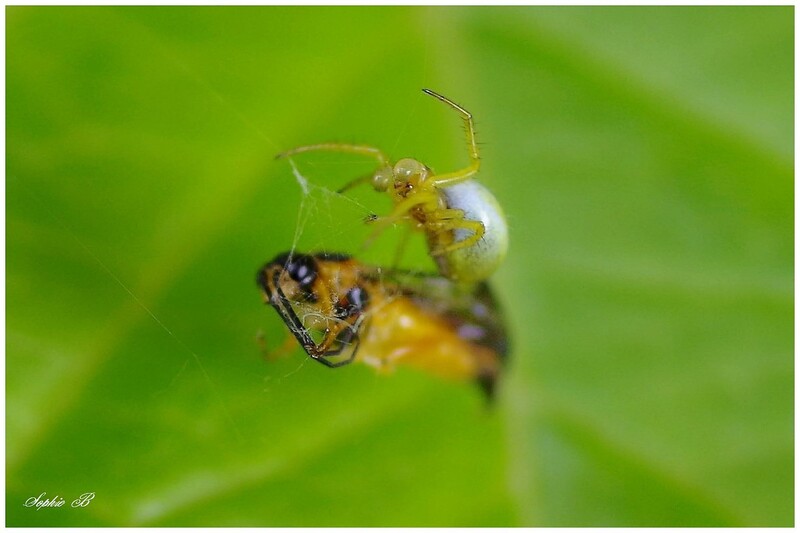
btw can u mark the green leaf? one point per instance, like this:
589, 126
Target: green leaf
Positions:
644, 157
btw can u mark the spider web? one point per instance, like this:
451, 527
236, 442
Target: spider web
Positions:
325, 221
333, 222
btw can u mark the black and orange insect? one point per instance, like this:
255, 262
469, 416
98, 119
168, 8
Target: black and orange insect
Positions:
341, 311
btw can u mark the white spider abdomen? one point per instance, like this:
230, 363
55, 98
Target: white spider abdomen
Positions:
478, 261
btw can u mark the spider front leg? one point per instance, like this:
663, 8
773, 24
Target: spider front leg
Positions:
359, 149
354, 183
451, 178
402, 211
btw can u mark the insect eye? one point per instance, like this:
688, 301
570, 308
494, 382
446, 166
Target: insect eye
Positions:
353, 303
358, 298
303, 270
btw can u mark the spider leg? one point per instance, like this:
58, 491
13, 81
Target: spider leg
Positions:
354, 183
401, 248
400, 212
451, 178
452, 220
360, 149
403, 208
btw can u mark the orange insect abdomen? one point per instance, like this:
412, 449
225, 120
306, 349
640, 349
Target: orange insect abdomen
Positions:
401, 333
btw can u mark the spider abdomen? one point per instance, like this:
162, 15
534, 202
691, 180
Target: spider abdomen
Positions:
480, 259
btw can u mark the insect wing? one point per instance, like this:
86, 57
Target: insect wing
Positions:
471, 310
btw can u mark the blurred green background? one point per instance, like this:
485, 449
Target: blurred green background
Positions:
644, 157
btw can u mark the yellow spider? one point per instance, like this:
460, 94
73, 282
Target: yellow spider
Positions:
465, 227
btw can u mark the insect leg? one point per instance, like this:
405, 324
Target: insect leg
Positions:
284, 307
351, 335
